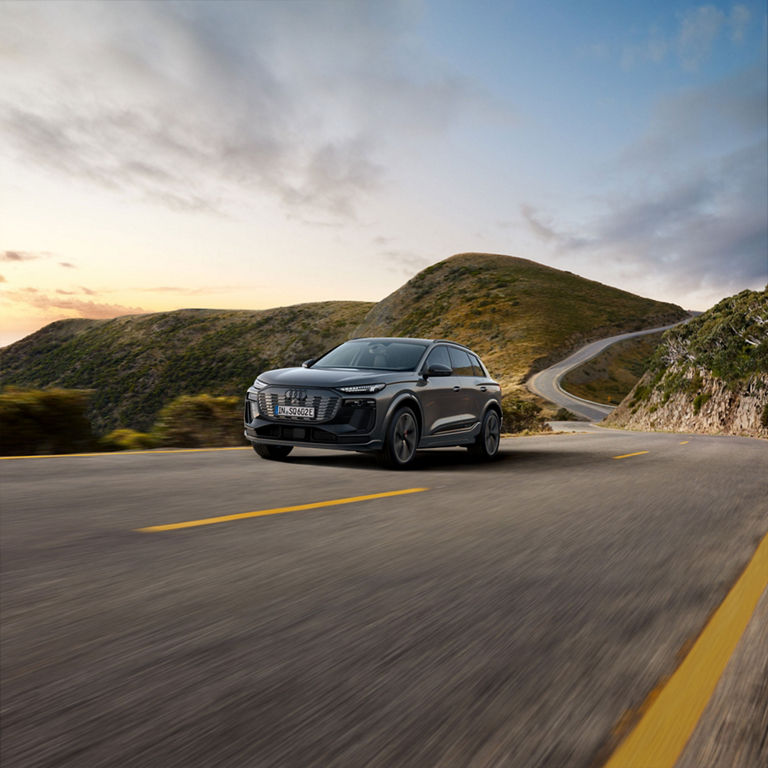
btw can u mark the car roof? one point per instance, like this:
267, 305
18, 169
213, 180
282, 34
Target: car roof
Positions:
408, 338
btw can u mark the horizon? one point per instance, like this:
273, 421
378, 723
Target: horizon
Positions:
283, 306
257, 155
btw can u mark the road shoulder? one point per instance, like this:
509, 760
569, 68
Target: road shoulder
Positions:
733, 730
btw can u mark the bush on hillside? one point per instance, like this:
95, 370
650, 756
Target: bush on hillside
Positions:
563, 414
519, 415
127, 440
200, 421
40, 421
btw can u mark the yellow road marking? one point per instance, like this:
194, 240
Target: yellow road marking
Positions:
684, 442
664, 730
124, 453
275, 511
627, 455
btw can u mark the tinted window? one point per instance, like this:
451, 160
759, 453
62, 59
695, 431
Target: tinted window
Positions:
476, 365
383, 355
439, 356
460, 362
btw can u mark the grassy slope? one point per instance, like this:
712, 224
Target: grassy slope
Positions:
726, 344
609, 377
517, 314
138, 363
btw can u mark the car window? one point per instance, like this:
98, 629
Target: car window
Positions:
476, 365
384, 355
439, 356
460, 362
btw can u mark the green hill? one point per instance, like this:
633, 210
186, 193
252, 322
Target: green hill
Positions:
138, 363
520, 316
708, 375
517, 314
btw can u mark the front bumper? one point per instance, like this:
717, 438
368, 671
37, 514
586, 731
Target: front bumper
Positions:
353, 428
269, 433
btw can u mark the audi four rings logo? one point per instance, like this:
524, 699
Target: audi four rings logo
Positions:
296, 394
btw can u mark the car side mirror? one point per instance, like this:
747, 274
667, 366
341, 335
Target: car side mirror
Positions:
309, 363
438, 369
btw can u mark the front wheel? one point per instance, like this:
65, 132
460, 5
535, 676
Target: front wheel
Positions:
402, 439
274, 452
486, 446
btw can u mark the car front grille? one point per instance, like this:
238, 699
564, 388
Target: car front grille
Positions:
326, 406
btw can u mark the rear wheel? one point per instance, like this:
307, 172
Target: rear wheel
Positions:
486, 446
274, 452
401, 440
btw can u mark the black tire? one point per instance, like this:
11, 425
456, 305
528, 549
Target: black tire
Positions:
486, 447
273, 452
401, 440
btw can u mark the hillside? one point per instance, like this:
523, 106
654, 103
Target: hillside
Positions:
709, 375
610, 376
138, 363
518, 315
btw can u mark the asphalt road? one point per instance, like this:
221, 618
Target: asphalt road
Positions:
509, 615
547, 383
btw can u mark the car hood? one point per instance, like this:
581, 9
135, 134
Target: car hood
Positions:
331, 377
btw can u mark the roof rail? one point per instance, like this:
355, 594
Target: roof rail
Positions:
451, 341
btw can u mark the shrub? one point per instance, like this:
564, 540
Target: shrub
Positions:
199, 421
127, 440
39, 421
699, 400
563, 414
519, 415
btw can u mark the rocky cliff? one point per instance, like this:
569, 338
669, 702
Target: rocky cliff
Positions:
708, 376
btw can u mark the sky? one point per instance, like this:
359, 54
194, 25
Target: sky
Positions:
160, 155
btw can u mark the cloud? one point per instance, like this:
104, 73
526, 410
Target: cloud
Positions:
194, 105
2, 279
71, 306
653, 49
547, 231
699, 29
188, 291
691, 209
19, 256
738, 21
703, 233
405, 262
67, 264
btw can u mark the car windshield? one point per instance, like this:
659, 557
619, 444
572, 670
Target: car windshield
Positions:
374, 354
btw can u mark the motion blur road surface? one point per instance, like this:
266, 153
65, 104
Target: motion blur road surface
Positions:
511, 614
547, 383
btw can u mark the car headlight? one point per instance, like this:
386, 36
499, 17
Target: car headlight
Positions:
362, 389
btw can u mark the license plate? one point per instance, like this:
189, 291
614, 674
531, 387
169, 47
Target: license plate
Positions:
302, 411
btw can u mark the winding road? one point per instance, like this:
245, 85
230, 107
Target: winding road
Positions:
209, 608
546, 383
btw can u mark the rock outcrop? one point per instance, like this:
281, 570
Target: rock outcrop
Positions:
713, 407
709, 375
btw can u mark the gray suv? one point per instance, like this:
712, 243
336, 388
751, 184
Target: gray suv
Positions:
387, 395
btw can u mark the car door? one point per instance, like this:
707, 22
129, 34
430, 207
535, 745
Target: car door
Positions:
463, 401
482, 386
438, 395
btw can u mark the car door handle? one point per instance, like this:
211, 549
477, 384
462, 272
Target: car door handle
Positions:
456, 388
483, 388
